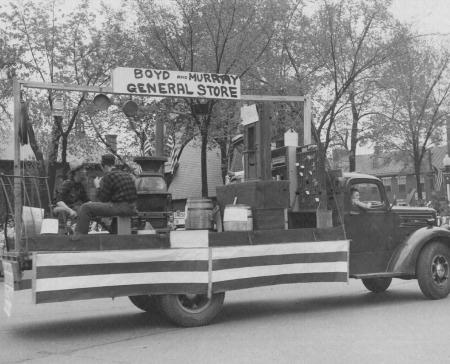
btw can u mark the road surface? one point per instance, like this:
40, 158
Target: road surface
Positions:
302, 323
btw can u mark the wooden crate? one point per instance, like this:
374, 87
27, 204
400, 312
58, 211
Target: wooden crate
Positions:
270, 219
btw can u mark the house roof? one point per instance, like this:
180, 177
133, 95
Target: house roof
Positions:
387, 165
383, 164
187, 180
437, 156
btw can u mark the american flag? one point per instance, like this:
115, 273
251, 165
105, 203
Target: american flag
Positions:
438, 178
175, 152
146, 146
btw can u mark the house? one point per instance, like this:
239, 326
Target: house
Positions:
186, 182
397, 172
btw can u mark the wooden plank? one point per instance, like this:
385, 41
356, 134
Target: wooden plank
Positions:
274, 98
66, 87
99, 242
94, 242
277, 236
109, 90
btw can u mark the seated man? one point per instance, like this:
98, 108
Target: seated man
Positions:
72, 194
116, 193
357, 205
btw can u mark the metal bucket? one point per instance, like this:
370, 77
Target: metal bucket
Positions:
199, 214
237, 218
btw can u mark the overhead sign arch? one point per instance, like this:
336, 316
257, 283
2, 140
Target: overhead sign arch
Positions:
163, 83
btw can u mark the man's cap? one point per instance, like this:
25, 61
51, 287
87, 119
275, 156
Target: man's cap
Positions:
76, 166
108, 159
238, 138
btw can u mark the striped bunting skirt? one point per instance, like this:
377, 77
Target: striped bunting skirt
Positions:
82, 275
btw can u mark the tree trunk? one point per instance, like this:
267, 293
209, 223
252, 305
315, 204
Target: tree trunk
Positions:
64, 163
224, 157
36, 150
417, 173
204, 136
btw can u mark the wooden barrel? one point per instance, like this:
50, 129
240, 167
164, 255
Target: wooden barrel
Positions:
237, 218
198, 214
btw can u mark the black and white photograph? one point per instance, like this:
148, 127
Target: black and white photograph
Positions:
224, 181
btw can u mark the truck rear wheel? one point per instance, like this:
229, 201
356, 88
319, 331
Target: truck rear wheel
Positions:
192, 309
146, 302
433, 271
377, 285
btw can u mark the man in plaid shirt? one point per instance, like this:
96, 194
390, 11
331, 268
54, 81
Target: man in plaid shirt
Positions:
116, 194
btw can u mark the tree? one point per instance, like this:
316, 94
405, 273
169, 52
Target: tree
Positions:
60, 48
10, 53
352, 125
415, 105
346, 40
213, 36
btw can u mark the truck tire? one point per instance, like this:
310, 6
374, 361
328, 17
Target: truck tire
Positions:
191, 309
377, 285
433, 268
146, 302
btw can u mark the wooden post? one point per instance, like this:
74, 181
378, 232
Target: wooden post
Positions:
159, 138
264, 143
17, 170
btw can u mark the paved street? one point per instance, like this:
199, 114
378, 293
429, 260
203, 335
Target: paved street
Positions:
309, 323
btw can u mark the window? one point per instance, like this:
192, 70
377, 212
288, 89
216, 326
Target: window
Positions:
387, 183
401, 184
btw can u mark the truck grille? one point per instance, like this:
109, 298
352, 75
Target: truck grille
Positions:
414, 219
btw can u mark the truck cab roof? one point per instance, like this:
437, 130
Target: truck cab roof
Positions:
354, 175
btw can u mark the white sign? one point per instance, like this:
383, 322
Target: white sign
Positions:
141, 81
249, 114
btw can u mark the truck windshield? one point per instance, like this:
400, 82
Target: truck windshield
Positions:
368, 192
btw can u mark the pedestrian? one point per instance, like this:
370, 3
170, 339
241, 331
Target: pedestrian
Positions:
116, 195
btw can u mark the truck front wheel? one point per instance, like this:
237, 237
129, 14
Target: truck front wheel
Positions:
433, 271
377, 285
192, 309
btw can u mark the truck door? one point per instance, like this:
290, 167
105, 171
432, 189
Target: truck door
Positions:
370, 226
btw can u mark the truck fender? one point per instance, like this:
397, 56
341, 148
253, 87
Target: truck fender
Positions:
403, 261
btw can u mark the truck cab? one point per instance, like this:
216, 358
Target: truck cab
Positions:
379, 231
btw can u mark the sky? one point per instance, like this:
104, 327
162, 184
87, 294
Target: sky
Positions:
427, 16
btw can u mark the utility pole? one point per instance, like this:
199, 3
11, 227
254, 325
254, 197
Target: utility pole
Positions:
17, 169
446, 162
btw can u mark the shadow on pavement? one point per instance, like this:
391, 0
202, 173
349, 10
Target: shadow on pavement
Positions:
250, 310
92, 326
